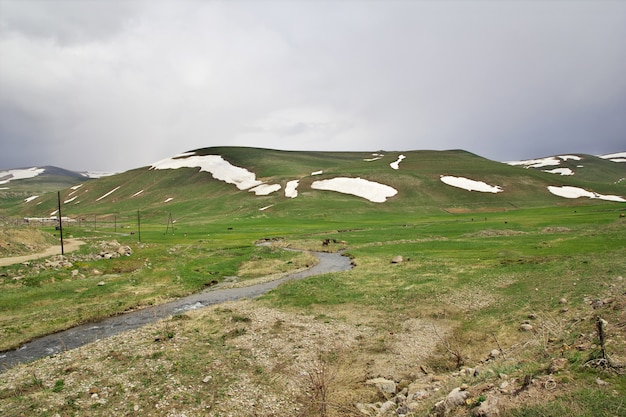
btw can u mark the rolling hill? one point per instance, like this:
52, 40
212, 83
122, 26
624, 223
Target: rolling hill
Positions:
238, 181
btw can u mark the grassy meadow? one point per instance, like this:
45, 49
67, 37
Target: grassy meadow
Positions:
476, 276
523, 272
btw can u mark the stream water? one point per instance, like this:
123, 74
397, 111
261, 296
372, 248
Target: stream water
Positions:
87, 333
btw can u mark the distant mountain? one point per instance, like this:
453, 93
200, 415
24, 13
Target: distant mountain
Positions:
17, 174
227, 181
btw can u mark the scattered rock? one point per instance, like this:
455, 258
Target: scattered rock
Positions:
386, 386
397, 259
557, 365
487, 408
563, 301
494, 354
101, 283
526, 327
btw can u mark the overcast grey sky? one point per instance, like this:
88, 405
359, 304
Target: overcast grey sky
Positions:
114, 85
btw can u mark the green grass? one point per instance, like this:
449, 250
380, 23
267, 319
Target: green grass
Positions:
480, 264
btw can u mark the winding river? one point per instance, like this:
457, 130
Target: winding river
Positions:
87, 333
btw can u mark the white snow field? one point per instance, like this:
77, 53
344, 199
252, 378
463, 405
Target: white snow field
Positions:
19, 174
370, 190
220, 169
615, 157
109, 193
575, 192
396, 163
537, 163
291, 189
470, 185
560, 171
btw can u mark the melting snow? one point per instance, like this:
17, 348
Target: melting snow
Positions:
291, 189
575, 192
217, 166
266, 207
396, 164
613, 157
470, 185
136, 194
29, 199
98, 174
167, 200
560, 171
538, 163
265, 189
19, 174
109, 193
317, 173
573, 157
70, 200
370, 190
76, 187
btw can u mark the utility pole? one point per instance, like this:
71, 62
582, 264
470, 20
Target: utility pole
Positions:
139, 225
60, 222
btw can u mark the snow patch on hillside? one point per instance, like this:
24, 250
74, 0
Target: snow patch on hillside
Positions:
19, 174
560, 171
97, 174
575, 192
167, 200
265, 189
376, 157
217, 166
109, 193
614, 157
470, 185
136, 194
370, 190
291, 189
31, 198
317, 172
537, 163
572, 157
396, 163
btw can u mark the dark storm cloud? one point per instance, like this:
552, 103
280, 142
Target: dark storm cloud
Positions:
114, 85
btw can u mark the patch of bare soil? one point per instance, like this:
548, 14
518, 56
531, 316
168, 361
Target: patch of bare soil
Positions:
238, 358
69, 245
20, 241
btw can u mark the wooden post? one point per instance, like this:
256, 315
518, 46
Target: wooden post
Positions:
60, 222
139, 225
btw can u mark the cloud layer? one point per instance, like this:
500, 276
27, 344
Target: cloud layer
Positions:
113, 85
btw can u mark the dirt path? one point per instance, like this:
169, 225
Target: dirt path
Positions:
69, 245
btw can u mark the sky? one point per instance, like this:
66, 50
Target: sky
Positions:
116, 85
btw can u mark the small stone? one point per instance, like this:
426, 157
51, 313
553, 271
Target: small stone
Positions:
207, 379
455, 398
494, 353
563, 300
136, 407
397, 259
385, 386
557, 365
101, 283
525, 327
601, 382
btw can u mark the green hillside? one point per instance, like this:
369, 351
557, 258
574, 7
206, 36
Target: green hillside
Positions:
509, 296
192, 192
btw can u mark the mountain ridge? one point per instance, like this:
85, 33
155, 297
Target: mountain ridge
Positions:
406, 180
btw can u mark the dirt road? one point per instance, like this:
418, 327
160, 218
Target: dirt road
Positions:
69, 245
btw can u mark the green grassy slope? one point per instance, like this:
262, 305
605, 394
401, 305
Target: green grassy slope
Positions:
191, 192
